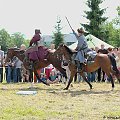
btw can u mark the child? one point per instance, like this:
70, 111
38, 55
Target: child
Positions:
42, 77
53, 78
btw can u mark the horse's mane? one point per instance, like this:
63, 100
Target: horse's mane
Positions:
68, 49
16, 49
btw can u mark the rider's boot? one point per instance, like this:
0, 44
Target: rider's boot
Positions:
80, 66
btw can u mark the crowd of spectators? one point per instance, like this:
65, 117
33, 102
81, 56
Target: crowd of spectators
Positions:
15, 71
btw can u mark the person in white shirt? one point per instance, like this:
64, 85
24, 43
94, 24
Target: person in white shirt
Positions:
1, 64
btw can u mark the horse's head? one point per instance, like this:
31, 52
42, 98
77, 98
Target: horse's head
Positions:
10, 54
65, 52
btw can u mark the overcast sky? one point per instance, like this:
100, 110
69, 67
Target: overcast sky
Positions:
26, 15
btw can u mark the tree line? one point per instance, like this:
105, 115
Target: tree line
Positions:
7, 40
98, 26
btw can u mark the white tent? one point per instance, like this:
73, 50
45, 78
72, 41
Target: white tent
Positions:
92, 42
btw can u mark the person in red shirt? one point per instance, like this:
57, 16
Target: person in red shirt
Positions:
35, 38
33, 46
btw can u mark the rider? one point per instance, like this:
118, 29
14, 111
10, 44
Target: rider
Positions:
35, 38
82, 49
34, 44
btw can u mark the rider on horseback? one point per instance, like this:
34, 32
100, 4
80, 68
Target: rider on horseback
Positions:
33, 46
82, 49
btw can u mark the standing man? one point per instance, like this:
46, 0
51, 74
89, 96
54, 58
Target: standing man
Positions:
102, 51
82, 49
1, 64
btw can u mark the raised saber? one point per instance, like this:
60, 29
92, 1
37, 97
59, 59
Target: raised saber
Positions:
68, 22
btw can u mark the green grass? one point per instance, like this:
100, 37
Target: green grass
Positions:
54, 103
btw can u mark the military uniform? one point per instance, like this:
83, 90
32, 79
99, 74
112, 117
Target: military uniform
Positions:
33, 46
35, 39
82, 49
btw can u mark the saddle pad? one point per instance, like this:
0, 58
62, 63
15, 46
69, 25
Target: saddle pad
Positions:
26, 92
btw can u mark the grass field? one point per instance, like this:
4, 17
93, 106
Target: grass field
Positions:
54, 103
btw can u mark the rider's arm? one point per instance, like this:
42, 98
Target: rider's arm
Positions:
75, 34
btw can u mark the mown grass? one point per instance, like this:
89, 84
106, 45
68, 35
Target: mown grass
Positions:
54, 103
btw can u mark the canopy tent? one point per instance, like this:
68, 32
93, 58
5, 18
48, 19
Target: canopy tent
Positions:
92, 42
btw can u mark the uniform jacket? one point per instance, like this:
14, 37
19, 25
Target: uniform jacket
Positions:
82, 48
35, 39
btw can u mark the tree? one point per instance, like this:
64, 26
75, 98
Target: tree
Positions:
5, 39
117, 19
57, 35
17, 39
113, 30
94, 15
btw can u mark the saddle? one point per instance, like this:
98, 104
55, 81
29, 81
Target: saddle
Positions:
31, 49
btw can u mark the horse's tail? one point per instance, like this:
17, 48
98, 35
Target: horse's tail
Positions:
114, 68
114, 65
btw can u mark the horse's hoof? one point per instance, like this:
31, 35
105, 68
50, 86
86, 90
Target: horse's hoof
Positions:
90, 89
65, 89
112, 89
47, 84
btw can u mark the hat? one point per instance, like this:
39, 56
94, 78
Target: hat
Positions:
80, 30
37, 31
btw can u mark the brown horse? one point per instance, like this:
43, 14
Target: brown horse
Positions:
101, 60
50, 59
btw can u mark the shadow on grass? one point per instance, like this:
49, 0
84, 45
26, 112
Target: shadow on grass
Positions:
58, 91
11, 87
83, 92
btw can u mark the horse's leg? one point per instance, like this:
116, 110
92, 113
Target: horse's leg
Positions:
112, 81
86, 79
37, 76
75, 78
108, 73
31, 77
69, 82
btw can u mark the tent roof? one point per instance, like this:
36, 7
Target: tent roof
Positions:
92, 42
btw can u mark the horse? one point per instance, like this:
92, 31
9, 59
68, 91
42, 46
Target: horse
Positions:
50, 59
100, 60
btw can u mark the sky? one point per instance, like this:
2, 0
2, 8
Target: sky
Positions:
27, 15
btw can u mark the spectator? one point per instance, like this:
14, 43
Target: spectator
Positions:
42, 77
53, 78
110, 52
1, 64
48, 69
22, 47
96, 49
18, 65
115, 51
102, 51
118, 60
52, 47
12, 70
